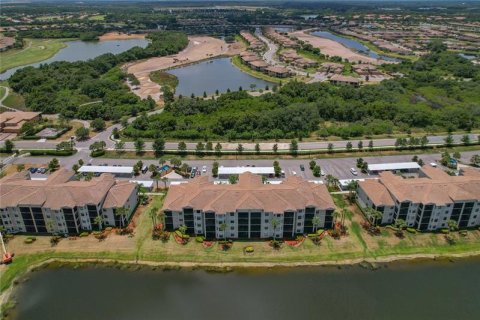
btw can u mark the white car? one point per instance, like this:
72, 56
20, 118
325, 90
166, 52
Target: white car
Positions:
294, 173
322, 173
353, 171
204, 169
433, 164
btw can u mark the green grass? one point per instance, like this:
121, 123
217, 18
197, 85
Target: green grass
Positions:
164, 79
100, 17
2, 92
35, 50
236, 61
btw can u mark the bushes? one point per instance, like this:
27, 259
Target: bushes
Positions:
248, 249
97, 153
58, 153
412, 230
199, 239
84, 234
30, 240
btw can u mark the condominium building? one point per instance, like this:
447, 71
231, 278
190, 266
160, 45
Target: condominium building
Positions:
63, 205
427, 202
248, 209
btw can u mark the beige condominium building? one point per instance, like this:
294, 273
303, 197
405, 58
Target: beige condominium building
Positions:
426, 203
63, 205
246, 210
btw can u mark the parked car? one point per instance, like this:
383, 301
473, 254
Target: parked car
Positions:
433, 164
294, 173
42, 170
204, 169
144, 169
353, 171
194, 171
302, 167
322, 172
32, 170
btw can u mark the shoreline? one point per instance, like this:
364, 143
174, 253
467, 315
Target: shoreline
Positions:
231, 266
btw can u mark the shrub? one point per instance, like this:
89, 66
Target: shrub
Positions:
445, 231
108, 229
412, 230
249, 249
312, 235
83, 234
29, 240
59, 153
97, 153
199, 239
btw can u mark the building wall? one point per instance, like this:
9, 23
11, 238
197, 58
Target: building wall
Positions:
248, 223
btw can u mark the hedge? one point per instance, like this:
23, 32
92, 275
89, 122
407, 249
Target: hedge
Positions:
59, 153
97, 153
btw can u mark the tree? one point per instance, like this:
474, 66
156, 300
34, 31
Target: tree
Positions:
98, 124
153, 169
81, 162
233, 179
183, 228
400, 224
275, 148
209, 146
257, 148
153, 214
475, 160
364, 167
456, 155
176, 162
115, 133
139, 145
20, 167
75, 168
98, 220
374, 215
294, 147
64, 146
359, 163
223, 229
53, 165
82, 133
360, 145
423, 142
155, 178
331, 181
240, 148
218, 149
9, 145
182, 148
158, 146
277, 169
370, 145
215, 169
317, 171
164, 180
349, 146
466, 139
452, 225
315, 223
200, 149
312, 164
420, 162
448, 140
98, 146
275, 223
121, 213
330, 148
119, 146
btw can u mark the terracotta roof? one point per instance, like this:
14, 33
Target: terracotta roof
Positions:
437, 188
59, 190
249, 193
11, 118
277, 69
341, 78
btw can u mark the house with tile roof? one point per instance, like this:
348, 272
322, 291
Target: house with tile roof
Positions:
426, 203
248, 208
62, 204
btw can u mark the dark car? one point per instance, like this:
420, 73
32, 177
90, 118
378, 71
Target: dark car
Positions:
302, 167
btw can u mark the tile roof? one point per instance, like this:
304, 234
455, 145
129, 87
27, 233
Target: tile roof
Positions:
249, 193
60, 191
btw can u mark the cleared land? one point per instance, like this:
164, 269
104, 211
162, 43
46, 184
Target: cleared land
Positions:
120, 36
35, 50
333, 48
198, 49
357, 246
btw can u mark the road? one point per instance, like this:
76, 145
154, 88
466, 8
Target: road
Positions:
269, 55
338, 167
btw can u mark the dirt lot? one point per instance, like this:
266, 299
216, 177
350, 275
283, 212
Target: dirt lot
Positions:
120, 36
333, 48
199, 48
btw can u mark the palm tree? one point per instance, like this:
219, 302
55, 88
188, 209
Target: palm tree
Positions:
164, 180
374, 215
452, 225
223, 228
156, 178
315, 223
98, 220
121, 213
153, 215
275, 223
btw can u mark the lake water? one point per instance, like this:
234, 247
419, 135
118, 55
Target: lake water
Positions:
352, 44
84, 50
427, 290
211, 75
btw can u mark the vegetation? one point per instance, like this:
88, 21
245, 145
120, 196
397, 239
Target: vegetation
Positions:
432, 97
64, 87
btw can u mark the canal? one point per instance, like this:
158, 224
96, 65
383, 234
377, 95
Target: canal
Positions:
352, 44
420, 290
84, 50
211, 75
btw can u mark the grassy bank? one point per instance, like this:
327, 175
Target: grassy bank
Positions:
164, 79
35, 50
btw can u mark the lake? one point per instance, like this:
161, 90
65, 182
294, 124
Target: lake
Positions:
352, 44
84, 50
211, 75
418, 290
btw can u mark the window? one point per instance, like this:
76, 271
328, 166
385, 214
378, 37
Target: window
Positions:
232, 221
299, 224
232, 214
199, 218
266, 220
299, 218
199, 225
232, 228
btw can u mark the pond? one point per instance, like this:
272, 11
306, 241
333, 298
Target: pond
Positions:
427, 290
216, 74
84, 50
352, 44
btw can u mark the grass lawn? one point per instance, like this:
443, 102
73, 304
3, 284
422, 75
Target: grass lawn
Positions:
99, 17
357, 244
35, 50
14, 100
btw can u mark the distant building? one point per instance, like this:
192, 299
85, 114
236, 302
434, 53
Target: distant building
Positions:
6, 43
117, 171
12, 121
426, 203
63, 205
226, 172
340, 79
246, 209
276, 71
405, 167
